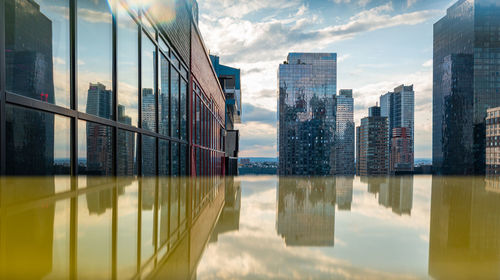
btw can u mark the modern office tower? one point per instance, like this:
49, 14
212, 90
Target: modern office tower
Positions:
306, 114
229, 79
399, 107
344, 134
466, 68
464, 228
493, 141
306, 211
401, 153
172, 126
373, 144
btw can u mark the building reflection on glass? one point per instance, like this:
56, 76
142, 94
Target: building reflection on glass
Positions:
306, 211
393, 192
343, 190
464, 238
96, 233
230, 216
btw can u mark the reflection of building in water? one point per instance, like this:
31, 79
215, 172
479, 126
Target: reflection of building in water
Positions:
29, 72
393, 192
464, 230
397, 194
343, 190
306, 212
230, 216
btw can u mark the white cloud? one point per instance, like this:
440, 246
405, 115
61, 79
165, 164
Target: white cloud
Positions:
410, 3
428, 63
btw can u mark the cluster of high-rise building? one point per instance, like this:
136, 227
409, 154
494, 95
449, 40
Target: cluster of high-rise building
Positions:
315, 125
133, 92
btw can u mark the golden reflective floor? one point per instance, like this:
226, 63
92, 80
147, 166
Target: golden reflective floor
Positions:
250, 228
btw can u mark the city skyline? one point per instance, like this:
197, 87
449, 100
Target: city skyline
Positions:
362, 33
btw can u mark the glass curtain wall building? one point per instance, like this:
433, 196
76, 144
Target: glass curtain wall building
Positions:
306, 114
107, 88
344, 135
466, 82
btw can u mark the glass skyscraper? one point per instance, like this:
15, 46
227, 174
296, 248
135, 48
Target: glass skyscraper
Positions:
306, 114
344, 135
466, 82
130, 93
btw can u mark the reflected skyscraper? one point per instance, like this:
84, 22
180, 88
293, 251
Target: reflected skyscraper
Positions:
343, 190
465, 70
397, 193
306, 211
230, 216
306, 114
464, 238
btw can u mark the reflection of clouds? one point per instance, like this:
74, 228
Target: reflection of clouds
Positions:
93, 16
257, 252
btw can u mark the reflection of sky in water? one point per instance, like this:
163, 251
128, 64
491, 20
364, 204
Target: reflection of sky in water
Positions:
370, 240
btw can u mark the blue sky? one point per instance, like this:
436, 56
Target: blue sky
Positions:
380, 44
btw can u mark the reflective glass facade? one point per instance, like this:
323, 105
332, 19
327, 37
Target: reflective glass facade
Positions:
372, 144
306, 114
105, 88
344, 134
466, 82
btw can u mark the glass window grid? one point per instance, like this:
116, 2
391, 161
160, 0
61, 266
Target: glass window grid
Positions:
73, 111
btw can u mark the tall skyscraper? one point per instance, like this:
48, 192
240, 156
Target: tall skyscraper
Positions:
466, 70
399, 107
344, 135
373, 144
306, 113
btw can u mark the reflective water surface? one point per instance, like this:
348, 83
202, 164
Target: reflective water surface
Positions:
250, 228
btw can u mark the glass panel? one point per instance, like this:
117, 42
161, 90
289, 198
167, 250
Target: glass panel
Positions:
126, 257
175, 60
198, 120
127, 67
175, 158
37, 49
126, 153
36, 238
183, 200
148, 26
94, 57
148, 155
184, 160
95, 149
38, 143
164, 184
94, 234
174, 105
147, 218
148, 88
163, 105
184, 72
163, 45
183, 101
164, 157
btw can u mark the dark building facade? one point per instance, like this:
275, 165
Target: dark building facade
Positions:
466, 71
133, 93
306, 114
373, 144
344, 134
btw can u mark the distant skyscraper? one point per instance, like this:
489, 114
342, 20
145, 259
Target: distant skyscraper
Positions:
306, 113
399, 107
466, 70
148, 109
344, 135
373, 144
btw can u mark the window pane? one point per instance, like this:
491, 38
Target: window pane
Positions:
184, 160
163, 46
126, 257
148, 155
37, 49
38, 143
127, 69
127, 153
174, 105
175, 158
148, 88
174, 207
94, 57
164, 184
164, 157
198, 120
163, 105
184, 91
95, 149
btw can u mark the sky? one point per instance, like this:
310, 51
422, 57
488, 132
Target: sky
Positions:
380, 44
